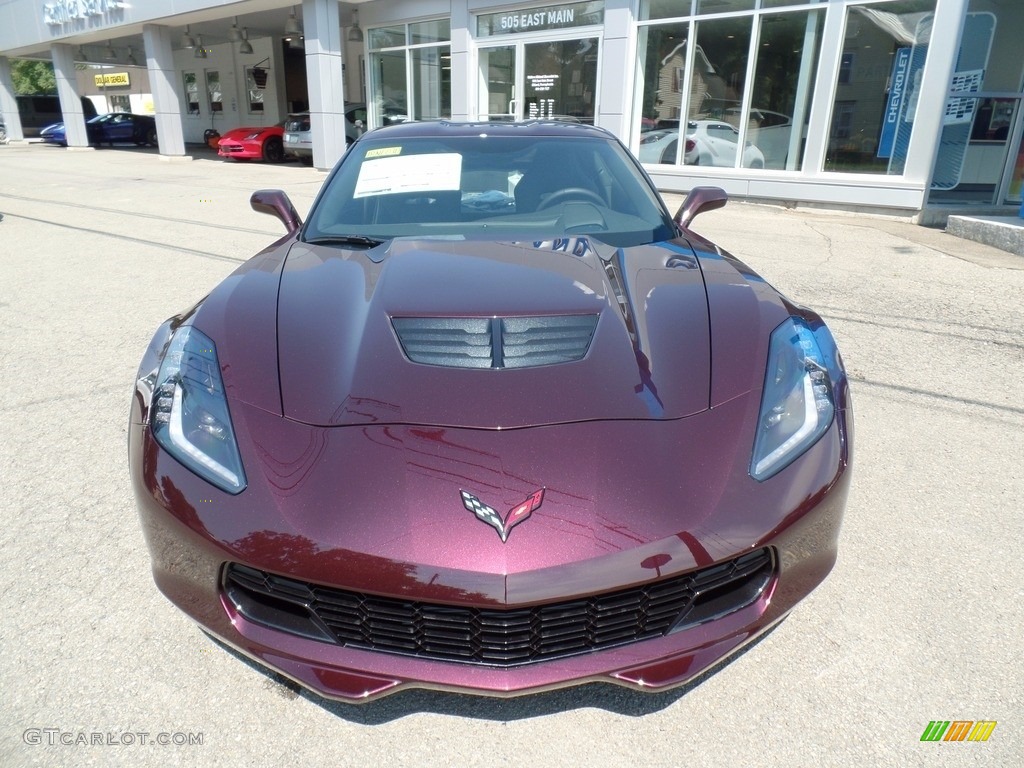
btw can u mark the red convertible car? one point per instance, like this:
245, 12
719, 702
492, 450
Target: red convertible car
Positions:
492, 420
254, 143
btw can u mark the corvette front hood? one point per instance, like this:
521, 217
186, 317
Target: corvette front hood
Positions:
342, 363
381, 509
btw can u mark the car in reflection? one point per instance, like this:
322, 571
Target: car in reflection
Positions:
708, 142
298, 135
769, 131
491, 420
264, 142
110, 129
661, 145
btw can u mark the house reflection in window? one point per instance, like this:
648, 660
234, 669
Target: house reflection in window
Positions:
191, 93
213, 89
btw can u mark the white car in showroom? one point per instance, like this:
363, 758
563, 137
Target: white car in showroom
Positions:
708, 142
298, 135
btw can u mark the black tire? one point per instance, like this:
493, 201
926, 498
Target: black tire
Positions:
306, 159
151, 137
273, 150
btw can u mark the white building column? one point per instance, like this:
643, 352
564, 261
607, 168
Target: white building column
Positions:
163, 82
8, 103
67, 89
325, 80
618, 69
464, 82
829, 60
936, 80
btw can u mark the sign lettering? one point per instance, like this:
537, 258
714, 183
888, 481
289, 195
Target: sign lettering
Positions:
116, 78
554, 17
63, 12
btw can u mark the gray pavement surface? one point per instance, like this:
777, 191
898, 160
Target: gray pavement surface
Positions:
921, 619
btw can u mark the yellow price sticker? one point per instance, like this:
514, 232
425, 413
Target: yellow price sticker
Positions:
384, 152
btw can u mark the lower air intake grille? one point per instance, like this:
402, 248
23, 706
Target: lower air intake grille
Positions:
492, 636
510, 342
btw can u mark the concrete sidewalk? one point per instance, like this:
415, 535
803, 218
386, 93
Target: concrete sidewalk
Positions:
920, 620
1003, 232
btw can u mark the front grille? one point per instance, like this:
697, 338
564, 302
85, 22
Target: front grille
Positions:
494, 636
510, 342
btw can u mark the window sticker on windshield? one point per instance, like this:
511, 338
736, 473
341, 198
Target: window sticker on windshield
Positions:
383, 152
409, 173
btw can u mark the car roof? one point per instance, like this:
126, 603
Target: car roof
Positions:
535, 128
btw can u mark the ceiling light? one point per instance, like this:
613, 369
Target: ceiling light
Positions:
200, 51
234, 34
187, 41
355, 34
292, 27
246, 46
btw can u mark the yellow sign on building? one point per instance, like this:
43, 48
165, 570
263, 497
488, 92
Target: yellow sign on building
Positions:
116, 78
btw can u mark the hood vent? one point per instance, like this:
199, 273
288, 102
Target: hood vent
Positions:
501, 342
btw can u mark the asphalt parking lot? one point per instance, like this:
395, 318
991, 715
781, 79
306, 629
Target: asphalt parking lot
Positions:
921, 619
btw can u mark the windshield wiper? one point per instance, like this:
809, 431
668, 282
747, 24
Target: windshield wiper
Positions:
356, 240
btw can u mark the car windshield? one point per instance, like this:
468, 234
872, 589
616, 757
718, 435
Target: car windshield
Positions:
488, 186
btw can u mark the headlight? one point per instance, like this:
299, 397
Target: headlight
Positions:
190, 411
252, 136
797, 404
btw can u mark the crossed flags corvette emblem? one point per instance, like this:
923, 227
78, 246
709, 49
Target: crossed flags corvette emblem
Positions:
515, 516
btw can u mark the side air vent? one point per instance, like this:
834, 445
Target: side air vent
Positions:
510, 342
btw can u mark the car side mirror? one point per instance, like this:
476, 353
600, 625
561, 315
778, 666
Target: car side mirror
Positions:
699, 200
276, 203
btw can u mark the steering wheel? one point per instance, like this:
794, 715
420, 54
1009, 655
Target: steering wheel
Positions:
569, 192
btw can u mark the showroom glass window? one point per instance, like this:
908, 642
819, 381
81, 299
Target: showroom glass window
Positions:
410, 71
255, 85
885, 45
213, 91
752, 65
981, 152
191, 93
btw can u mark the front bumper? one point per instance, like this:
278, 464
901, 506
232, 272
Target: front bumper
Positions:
298, 149
243, 151
194, 532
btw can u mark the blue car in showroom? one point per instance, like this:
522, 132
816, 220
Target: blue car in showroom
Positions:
110, 128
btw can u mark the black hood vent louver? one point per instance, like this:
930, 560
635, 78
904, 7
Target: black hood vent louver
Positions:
501, 342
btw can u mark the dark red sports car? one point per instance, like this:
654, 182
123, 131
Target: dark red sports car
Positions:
490, 421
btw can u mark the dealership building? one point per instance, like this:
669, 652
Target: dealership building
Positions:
899, 106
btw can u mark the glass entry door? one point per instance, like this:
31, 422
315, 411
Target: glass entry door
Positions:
498, 86
552, 79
